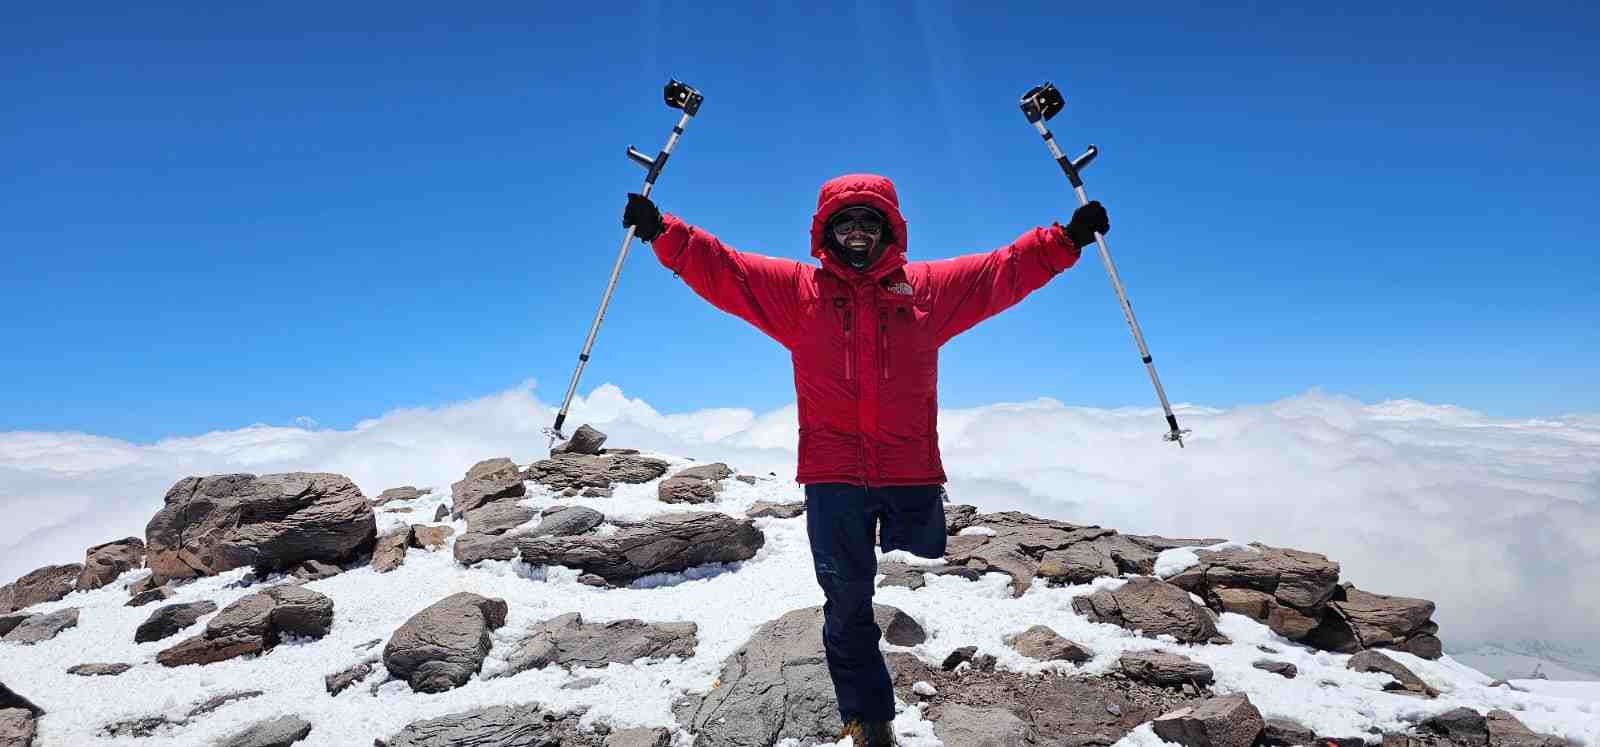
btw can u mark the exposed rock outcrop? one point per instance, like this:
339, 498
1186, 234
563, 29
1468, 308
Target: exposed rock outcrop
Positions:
1164, 669
566, 640
508, 726
48, 584
1285, 589
698, 484
488, 481
1150, 606
171, 619
563, 471
1356, 620
1226, 721
442, 646
1405, 681
42, 627
102, 564
254, 624
673, 542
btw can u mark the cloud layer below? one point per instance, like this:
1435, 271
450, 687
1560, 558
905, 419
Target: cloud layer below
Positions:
1497, 520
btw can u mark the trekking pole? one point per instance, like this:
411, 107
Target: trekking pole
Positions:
1040, 104
678, 95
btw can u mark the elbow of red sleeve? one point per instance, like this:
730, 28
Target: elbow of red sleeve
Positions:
1059, 251
669, 244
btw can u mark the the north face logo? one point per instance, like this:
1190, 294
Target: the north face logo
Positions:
902, 289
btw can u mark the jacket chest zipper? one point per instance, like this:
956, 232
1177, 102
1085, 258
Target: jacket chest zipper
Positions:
883, 343
849, 346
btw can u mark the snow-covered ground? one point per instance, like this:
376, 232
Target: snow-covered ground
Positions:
727, 603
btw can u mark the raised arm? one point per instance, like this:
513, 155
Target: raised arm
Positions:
967, 290
764, 291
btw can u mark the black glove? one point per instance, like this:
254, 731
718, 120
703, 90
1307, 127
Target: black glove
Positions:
642, 214
1085, 221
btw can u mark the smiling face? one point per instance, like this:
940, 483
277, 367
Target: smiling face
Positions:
857, 231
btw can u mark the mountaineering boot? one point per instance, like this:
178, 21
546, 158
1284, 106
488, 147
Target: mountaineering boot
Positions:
869, 734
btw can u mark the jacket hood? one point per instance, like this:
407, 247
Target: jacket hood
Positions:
859, 189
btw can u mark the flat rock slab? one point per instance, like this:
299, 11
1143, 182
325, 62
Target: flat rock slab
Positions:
98, 670
1150, 606
271, 522
162, 725
770, 510
984, 727
1357, 620
1227, 721
498, 517
669, 543
639, 737
568, 641
442, 646
698, 484
48, 584
171, 619
402, 493
496, 726
1405, 681
1165, 670
40, 628
1281, 668
563, 471
279, 732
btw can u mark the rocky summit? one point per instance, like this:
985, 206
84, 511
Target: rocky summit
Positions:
606, 597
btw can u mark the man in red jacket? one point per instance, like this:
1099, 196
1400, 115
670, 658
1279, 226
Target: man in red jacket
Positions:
864, 331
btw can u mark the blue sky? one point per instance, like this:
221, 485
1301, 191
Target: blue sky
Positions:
213, 217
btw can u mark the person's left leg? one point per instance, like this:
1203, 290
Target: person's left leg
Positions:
840, 520
913, 519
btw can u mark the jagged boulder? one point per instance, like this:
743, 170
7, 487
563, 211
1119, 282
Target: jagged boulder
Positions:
585, 440
698, 484
673, 542
169, 620
563, 471
389, 552
441, 647
568, 641
1043, 643
1150, 606
1356, 620
40, 628
1405, 681
48, 584
488, 481
102, 564
254, 624
1226, 721
1164, 669
271, 522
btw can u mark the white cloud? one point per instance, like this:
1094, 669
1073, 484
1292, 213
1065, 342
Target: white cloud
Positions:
1497, 520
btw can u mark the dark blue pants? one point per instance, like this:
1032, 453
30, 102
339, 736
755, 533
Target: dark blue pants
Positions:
841, 521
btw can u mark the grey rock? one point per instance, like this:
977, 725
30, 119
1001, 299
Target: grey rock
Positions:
10, 699
210, 705
338, 682
1164, 669
495, 726
568, 641
254, 624
673, 542
1281, 668
271, 522
770, 510
158, 594
639, 738
43, 627
595, 493
1281, 732
746, 479
957, 657
693, 485
563, 471
1226, 721
774, 687
442, 646
1151, 607
1043, 643
983, 727
98, 670
441, 514
389, 552
315, 570
10, 622
1462, 726
170, 619
585, 440
498, 517
472, 548
279, 732
582, 683
402, 493
900, 574
1405, 680
48, 584
16, 727
102, 564
488, 481
160, 725
899, 628
569, 521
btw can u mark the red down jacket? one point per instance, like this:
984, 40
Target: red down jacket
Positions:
865, 344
